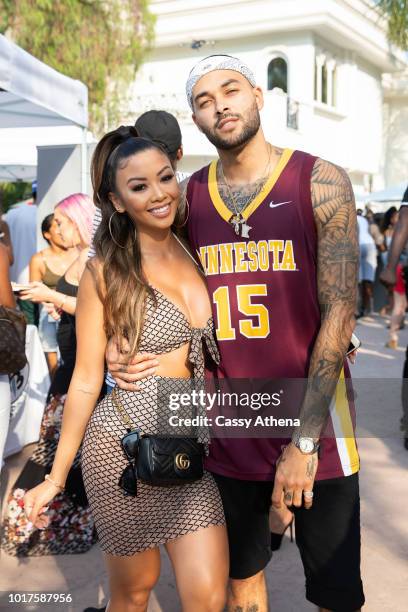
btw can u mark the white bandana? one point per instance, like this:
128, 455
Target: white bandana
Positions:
216, 62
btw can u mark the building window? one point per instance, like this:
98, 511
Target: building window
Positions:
278, 74
325, 80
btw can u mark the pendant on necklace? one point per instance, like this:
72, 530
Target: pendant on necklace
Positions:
241, 228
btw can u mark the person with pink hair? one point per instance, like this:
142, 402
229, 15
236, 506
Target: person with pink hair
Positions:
73, 216
70, 526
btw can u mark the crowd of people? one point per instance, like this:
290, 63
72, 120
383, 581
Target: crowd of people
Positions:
375, 237
127, 311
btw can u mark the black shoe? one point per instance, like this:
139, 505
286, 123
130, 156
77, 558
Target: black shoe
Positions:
276, 538
406, 443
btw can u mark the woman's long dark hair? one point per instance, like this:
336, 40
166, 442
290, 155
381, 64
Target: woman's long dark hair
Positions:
125, 285
46, 225
386, 220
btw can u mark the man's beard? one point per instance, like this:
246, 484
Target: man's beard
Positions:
251, 125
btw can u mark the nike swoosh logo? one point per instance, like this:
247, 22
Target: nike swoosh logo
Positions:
272, 205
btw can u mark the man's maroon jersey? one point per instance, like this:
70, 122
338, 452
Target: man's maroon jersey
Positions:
265, 305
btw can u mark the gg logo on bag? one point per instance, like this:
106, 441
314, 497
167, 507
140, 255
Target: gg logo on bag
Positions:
182, 461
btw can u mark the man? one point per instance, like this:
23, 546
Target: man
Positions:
388, 278
22, 223
276, 234
21, 220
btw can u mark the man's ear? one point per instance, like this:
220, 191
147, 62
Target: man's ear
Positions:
179, 153
195, 121
117, 204
259, 97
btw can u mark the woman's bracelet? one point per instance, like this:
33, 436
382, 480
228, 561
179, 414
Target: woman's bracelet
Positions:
63, 302
59, 308
48, 477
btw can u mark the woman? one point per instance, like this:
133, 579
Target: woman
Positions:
367, 265
388, 223
5, 239
398, 311
6, 299
142, 284
47, 266
71, 527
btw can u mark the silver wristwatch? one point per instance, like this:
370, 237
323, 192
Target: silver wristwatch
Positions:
307, 446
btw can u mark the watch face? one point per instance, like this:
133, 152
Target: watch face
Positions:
306, 445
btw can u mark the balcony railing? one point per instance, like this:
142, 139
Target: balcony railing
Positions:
174, 103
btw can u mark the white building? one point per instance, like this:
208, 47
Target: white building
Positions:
320, 63
394, 164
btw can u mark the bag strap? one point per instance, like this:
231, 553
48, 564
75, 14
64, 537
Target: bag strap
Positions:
122, 412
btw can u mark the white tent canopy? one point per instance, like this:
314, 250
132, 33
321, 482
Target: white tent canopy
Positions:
12, 173
390, 194
19, 148
33, 94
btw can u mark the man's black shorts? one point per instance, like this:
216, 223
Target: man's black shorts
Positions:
327, 535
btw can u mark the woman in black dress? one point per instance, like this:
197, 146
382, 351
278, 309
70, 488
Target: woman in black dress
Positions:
70, 525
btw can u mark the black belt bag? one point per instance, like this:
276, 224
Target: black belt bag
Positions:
156, 460
169, 461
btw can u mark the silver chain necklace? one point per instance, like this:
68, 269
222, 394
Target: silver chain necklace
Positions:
237, 220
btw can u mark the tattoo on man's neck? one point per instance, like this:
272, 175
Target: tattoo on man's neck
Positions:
249, 608
237, 198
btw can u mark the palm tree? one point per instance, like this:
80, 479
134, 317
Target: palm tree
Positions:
396, 12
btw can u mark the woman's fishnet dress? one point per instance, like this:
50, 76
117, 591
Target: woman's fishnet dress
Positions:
128, 525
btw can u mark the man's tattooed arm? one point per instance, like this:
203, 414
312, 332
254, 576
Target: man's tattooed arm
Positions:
335, 217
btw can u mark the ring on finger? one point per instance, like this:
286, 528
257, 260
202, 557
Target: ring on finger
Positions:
288, 496
308, 494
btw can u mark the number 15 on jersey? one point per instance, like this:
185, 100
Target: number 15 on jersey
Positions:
246, 300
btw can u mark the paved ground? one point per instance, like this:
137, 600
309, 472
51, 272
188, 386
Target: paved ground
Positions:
384, 493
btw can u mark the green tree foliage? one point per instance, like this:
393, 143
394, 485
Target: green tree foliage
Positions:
10, 193
396, 12
99, 42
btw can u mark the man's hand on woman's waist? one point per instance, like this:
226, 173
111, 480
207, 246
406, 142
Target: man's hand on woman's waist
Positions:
127, 372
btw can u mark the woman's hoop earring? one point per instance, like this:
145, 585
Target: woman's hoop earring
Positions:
110, 230
187, 216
